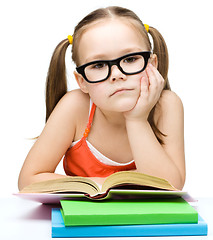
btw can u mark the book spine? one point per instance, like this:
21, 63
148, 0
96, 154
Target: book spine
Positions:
59, 229
129, 219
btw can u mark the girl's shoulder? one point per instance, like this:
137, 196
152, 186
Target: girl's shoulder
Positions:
72, 107
169, 97
76, 101
168, 104
71, 113
77, 97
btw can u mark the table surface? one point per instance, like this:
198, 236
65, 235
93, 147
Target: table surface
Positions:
24, 219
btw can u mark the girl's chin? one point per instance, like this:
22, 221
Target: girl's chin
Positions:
125, 106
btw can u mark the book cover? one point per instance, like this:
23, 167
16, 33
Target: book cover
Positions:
98, 188
128, 212
190, 229
50, 198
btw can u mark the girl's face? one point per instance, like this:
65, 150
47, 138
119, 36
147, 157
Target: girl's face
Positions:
106, 40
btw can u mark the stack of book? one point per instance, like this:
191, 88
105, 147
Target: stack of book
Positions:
127, 218
148, 206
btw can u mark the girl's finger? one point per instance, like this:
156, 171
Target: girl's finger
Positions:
144, 86
151, 75
156, 73
156, 80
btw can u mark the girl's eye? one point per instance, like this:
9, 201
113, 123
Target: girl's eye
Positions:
130, 59
98, 65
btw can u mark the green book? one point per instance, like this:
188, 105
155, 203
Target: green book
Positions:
127, 212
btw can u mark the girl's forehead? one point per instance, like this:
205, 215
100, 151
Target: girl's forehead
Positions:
110, 38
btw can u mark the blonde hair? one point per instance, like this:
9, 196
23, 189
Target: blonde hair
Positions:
56, 84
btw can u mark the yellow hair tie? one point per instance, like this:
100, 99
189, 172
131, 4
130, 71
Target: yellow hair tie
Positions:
70, 38
146, 27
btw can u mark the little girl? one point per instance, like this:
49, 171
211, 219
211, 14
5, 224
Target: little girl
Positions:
123, 117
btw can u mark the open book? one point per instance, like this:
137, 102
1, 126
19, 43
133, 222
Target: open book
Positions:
124, 181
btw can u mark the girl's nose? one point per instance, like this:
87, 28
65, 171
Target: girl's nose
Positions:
116, 74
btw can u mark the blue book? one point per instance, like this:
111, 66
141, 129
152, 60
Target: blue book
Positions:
60, 231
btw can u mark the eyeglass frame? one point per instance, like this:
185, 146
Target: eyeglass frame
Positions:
110, 63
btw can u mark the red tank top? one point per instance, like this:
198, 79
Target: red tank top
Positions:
79, 160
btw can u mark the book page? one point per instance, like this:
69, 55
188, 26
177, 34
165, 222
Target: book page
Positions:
98, 180
128, 177
59, 185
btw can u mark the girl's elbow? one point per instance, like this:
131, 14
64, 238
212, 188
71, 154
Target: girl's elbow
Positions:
25, 178
21, 184
182, 183
179, 182
22, 181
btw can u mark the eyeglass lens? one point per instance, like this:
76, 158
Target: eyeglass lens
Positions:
100, 70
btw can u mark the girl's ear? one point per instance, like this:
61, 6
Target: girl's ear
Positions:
154, 60
81, 82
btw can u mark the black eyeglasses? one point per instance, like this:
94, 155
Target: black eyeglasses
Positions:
129, 64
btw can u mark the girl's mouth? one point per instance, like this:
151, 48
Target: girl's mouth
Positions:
121, 90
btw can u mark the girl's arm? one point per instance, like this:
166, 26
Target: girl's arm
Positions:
166, 161
55, 139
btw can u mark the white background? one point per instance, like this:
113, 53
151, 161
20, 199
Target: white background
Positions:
30, 30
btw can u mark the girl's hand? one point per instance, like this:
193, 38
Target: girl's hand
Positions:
150, 92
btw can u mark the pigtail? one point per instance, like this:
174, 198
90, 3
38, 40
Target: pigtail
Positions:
160, 49
56, 83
